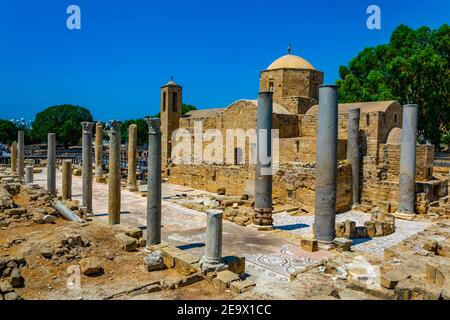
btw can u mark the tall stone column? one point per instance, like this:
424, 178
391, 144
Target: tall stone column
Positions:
353, 154
263, 175
98, 150
87, 165
20, 154
28, 174
114, 173
212, 260
407, 183
132, 154
67, 180
326, 165
51, 163
154, 182
14, 157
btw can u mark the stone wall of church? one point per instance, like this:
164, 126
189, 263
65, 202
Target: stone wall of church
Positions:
304, 150
292, 184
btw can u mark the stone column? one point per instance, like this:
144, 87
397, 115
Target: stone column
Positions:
326, 165
28, 174
263, 175
407, 183
353, 154
14, 157
114, 173
87, 165
67, 180
51, 164
132, 154
98, 150
154, 182
20, 153
212, 260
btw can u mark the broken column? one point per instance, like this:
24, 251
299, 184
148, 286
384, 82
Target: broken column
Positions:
14, 157
28, 174
66, 180
132, 153
114, 173
212, 260
353, 151
154, 182
20, 154
326, 165
263, 174
51, 163
407, 183
98, 150
87, 165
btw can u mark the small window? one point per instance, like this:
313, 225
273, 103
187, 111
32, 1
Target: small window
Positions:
297, 143
238, 156
395, 118
164, 101
271, 86
367, 120
175, 101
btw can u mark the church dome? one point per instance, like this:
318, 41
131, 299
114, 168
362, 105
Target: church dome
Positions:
290, 61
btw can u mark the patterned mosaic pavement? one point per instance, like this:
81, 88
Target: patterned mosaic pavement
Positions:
404, 229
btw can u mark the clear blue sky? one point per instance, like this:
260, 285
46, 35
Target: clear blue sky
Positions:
126, 50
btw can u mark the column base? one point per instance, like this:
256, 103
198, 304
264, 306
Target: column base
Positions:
207, 265
258, 227
132, 188
263, 220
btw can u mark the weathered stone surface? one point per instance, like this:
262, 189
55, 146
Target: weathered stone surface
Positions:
184, 263
235, 263
414, 289
390, 279
154, 261
11, 296
16, 279
5, 287
342, 244
91, 266
309, 245
134, 233
128, 244
241, 286
224, 279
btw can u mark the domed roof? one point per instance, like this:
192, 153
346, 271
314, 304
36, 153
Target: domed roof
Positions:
290, 61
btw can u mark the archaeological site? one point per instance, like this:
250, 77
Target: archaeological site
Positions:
353, 208
224, 158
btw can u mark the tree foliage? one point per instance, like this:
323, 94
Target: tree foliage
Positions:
63, 120
8, 131
414, 67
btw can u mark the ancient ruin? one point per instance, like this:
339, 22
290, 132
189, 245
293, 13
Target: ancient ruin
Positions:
322, 201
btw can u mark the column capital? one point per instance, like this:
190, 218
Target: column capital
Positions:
115, 125
99, 124
87, 126
154, 125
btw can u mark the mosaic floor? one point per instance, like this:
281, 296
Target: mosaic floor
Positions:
404, 229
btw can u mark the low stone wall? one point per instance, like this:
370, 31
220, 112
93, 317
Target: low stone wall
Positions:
293, 184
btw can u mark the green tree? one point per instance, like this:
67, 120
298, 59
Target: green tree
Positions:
414, 67
8, 131
63, 120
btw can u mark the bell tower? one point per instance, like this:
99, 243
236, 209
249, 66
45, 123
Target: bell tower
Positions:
170, 114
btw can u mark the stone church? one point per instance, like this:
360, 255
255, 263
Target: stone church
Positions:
294, 83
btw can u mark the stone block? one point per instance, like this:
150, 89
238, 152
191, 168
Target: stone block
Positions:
309, 245
128, 244
91, 266
184, 263
241, 286
169, 254
390, 279
154, 261
134, 233
224, 279
370, 228
235, 263
342, 244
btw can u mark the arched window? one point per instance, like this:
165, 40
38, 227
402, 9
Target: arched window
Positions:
164, 101
175, 101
